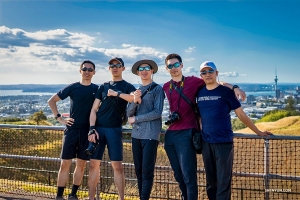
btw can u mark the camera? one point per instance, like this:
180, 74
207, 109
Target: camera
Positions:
173, 117
92, 146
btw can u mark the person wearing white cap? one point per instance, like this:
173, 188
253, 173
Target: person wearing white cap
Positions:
182, 125
144, 114
215, 102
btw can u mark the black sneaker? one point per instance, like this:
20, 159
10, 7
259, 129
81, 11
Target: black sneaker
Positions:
72, 196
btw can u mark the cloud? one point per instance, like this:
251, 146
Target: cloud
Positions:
190, 49
190, 71
59, 50
231, 74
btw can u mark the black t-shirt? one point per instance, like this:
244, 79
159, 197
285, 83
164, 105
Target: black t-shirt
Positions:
81, 101
108, 115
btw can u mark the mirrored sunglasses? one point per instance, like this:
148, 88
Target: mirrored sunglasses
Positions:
147, 68
210, 71
175, 65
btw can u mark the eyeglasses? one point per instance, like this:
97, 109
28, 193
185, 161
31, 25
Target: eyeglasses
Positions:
84, 69
116, 65
210, 71
147, 68
176, 65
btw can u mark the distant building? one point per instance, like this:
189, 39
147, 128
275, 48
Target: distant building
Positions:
250, 98
298, 89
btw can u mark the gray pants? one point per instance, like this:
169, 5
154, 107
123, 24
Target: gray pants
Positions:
218, 161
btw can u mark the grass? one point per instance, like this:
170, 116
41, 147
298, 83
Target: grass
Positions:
284, 126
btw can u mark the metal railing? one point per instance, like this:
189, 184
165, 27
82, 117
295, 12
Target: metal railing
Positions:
263, 168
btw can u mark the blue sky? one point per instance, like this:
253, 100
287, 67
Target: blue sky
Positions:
43, 42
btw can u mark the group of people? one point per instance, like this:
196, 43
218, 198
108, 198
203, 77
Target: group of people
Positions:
97, 113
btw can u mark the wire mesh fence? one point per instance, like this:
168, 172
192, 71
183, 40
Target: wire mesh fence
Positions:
263, 169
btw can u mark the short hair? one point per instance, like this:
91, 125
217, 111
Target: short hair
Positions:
171, 56
87, 61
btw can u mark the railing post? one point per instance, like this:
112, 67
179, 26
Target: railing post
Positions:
266, 168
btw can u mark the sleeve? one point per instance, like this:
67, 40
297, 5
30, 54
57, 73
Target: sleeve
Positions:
99, 92
158, 107
131, 109
231, 98
130, 88
199, 82
65, 92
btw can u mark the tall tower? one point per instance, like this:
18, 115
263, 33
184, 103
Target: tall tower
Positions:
276, 79
277, 91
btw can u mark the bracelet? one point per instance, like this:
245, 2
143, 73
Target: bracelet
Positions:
92, 127
235, 86
91, 132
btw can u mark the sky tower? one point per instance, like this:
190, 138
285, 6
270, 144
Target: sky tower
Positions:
277, 91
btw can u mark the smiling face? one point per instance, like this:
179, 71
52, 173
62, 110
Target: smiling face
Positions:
116, 68
174, 71
144, 72
209, 75
87, 71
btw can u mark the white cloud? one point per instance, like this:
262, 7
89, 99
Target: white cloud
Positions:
190, 49
231, 74
62, 51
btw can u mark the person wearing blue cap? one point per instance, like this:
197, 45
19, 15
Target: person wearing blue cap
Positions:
215, 102
106, 118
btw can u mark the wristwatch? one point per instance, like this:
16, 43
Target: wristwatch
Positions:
57, 116
235, 86
118, 95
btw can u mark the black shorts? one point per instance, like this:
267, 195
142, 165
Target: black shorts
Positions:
75, 142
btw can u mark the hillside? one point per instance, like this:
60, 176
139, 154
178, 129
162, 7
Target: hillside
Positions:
284, 126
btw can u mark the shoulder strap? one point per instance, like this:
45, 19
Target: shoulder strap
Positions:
194, 107
151, 88
105, 89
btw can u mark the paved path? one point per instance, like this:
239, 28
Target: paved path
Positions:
20, 197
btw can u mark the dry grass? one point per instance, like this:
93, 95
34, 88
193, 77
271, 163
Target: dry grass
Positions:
284, 126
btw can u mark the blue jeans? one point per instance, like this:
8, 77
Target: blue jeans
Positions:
144, 157
182, 156
218, 161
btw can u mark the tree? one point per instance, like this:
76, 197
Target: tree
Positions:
38, 117
290, 106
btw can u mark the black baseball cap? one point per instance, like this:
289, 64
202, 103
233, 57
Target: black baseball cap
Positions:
117, 59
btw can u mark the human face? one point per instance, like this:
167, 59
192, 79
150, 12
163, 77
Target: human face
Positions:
116, 68
87, 71
174, 72
209, 75
145, 73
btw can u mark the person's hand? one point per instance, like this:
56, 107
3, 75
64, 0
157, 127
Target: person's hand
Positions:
137, 96
93, 137
240, 94
131, 120
264, 133
111, 92
67, 121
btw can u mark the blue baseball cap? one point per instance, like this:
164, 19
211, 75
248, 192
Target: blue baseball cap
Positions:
209, 64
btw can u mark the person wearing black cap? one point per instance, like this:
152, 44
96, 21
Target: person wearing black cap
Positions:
145, 117
82, 95
106, 116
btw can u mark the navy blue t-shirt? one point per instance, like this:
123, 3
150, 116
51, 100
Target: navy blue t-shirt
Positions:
108, 115
215, 107
81, 101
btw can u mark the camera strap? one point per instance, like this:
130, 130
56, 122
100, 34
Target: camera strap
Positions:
194, 107
151, 87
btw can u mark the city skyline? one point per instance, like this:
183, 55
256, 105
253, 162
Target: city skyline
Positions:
45, 42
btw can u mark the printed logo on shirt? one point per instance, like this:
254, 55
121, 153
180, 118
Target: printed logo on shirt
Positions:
209, 98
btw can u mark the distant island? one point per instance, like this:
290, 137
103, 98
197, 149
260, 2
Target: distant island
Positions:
52, 88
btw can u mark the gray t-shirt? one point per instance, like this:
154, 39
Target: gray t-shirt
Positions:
148, 121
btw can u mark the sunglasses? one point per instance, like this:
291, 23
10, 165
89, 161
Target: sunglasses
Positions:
147, 68
84, 69
116, 65
210, 71
175, 65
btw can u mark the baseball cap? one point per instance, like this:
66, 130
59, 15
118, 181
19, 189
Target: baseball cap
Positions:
152, 64
209, 64
117, 59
